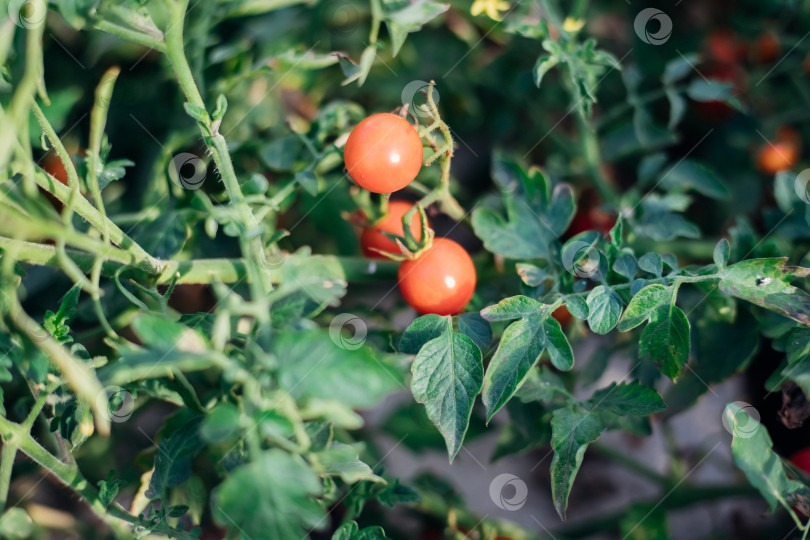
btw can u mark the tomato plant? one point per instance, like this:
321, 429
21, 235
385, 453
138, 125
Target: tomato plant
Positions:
217, 322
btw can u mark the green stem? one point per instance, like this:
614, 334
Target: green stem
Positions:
198, 271
98, 120
590, 151
663, 280
9, 452
153, 42
76, 373
70, 476
16, 117
40, 403
139, 257
376, 20
252, 247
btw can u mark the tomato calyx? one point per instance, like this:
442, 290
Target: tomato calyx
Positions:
409, 247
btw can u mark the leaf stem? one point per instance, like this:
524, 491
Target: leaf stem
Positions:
590, 151
250, 241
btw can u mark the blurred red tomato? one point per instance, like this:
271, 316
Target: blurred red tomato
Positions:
765, 49
722, 45
780, 154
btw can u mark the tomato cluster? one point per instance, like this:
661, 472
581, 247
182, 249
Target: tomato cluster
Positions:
384, 154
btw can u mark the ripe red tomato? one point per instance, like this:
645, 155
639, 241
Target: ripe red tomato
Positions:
766, 49
781, 154
722, 45
372, 237
440, 281
383, 153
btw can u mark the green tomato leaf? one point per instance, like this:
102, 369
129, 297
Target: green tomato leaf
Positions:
721, 253
475, 327
753, 453
221, 423
765, 282
577, 306
666, 340
532, 275
522, 235
173, 459
542, 385
604, 309
520, 348
571, 433
16, 524
271, 497
357, 378
342, 460
562, 357
411, 18
422, 330
627, 399
447, 375
626, 266
643, 304
350, 531
688, 174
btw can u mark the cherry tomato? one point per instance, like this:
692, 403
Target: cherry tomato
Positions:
373, 237
722, 45
383, 153
563, 316
766, 49
781, 154
440, 281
